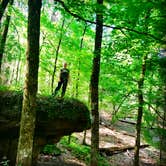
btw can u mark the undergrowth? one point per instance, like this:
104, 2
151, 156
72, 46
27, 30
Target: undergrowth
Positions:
81, 152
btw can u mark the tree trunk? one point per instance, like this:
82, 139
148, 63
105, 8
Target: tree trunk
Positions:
140, 112
162, 63
28, 117
3, 40
94, 85
56, 56
4, 36
3, 6
79, 62
17, 69
141, 98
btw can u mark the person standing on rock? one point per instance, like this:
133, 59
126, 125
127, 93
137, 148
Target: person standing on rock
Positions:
63, 80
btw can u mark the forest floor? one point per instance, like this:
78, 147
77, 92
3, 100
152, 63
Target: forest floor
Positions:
118, 138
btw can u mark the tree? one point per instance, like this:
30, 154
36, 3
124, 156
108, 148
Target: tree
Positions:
79, 62
123, 45
3, 6
140, 111
141, 99
56, 56
94, 85
162, 118
27, 125
4, 36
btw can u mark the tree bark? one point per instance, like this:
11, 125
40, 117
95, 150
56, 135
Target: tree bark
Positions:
79, 62
56, 56
162, 119
28, 117
94, 85
3, 6
140, 112
4, 36
141, 98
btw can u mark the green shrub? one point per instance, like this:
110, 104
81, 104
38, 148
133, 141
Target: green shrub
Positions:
82, 152
51, 149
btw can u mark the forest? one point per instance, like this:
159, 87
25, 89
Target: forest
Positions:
113, 111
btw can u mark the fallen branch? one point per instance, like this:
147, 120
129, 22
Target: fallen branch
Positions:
116, 150
126, 121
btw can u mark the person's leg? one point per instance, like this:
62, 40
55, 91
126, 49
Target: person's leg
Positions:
64, 88
57, 88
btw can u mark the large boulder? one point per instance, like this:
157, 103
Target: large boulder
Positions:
55, 118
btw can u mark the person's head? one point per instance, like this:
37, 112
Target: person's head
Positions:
65, 65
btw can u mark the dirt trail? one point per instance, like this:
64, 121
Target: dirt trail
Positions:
116, 139
111, 136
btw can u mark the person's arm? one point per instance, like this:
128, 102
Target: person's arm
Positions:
69, 80
60, 75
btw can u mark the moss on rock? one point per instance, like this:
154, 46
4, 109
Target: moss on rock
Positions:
48, 108
54, 119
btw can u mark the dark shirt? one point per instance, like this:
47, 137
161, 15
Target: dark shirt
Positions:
64, 74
